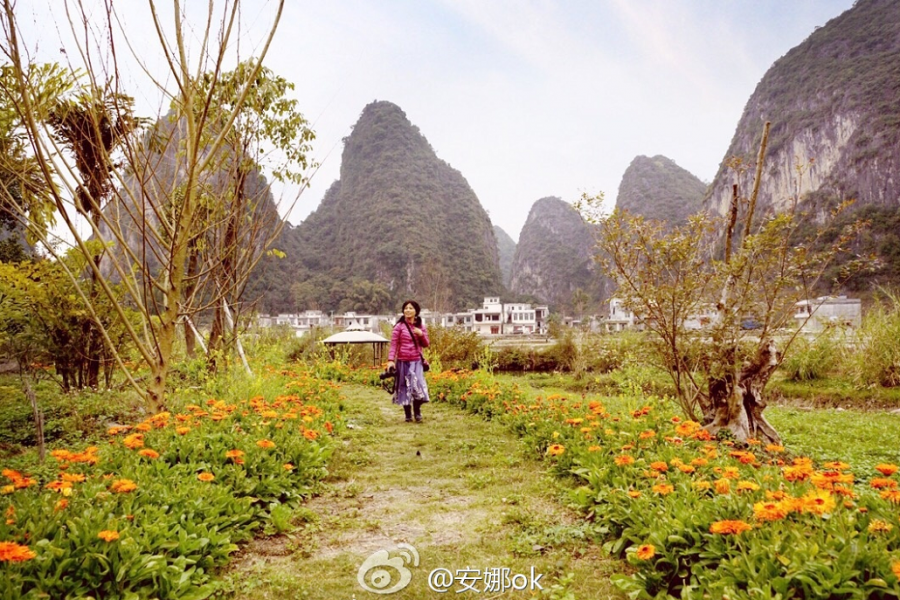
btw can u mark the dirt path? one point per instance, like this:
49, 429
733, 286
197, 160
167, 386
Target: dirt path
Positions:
457, 489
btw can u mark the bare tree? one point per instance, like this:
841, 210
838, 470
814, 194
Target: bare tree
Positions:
160, 207
667, 277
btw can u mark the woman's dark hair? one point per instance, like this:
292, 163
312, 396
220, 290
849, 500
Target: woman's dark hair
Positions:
415, 305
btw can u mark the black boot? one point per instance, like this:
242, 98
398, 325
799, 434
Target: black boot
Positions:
408, 411
417, 407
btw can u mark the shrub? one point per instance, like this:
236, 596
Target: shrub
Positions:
454, 347
876, 360
817, 358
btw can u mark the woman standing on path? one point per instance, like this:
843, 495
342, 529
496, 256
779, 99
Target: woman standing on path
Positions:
407, 340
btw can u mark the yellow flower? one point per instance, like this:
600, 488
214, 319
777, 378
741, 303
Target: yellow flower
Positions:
895, 567
108, 535
878, 526
892, 496
265, 444
233, 453
659, 466
729, 527
818, 502
770, 511
594, 448
723, 486
182, 430
207, 477
122, 486
663, 489
133, 441
634, 494
747, 486
645, 552
624, 459
556, 449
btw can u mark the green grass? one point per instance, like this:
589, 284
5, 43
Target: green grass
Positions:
861, 438
458, 489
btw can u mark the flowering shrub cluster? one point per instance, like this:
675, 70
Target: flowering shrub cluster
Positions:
151, 510
700, 517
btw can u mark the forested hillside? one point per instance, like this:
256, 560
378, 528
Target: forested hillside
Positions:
506, 248
657, 188
553, 261
400, 222
835, 133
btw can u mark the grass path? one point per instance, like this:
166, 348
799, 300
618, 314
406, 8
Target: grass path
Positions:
459, 490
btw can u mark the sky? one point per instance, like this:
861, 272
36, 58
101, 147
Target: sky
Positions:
526, 98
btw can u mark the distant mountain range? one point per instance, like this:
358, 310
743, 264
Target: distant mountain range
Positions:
401, 223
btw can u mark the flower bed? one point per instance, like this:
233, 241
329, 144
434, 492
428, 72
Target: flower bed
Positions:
700, 517
149, 512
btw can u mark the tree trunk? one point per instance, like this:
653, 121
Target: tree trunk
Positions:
25, 376
738, 402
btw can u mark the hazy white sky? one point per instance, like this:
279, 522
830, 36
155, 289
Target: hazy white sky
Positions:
525, 98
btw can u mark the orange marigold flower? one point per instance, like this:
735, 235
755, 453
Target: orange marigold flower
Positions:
148, 453
627, 447
108, 535
13, 552
145, 426
182, 430
122, 486
892, 496
133, 441
686, 468
817, 502
310, 434
774, 448
61, 505
770, 511
659, 466
886, 469
730, 473
207, 477
836, 465
329, 427
646, 435
73, 477
729, 527
265, 444
645, 552
880, 483
687, 428
699, 462
59, 486
556, 449
634, 494
701, 485
594, 448
879, 526
844, 491
747, 486
116, 430
288, 467
624, 459
663, 489
234, 453
723, 486
895, 568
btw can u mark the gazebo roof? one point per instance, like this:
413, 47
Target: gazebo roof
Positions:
355, 336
